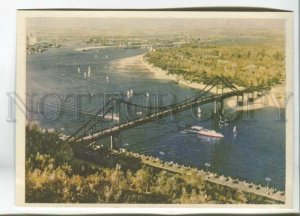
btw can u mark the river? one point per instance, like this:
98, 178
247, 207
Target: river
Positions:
257, 152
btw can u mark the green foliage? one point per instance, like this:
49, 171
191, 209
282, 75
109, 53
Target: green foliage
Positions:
41, 141
244, 64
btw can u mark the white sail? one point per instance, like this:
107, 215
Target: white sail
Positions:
78, 69
234, 129
89, 72
199, 112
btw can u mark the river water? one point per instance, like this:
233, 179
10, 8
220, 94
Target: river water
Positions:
257, 152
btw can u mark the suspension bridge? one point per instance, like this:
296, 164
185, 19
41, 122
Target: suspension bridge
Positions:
96, 127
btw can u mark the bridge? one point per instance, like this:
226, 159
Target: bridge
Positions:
96, 127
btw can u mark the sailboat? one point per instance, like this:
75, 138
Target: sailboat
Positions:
89, 72
199, 112
234, 130
78, 69
84, 74
129, 93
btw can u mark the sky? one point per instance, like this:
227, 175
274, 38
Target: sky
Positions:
117, 26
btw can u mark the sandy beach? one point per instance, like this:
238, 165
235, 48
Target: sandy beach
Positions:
273, 98
138, 62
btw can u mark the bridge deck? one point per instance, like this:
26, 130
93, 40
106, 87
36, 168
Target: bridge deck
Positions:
178, 108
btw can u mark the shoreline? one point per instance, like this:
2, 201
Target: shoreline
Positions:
91, 48
139, 62
209, 176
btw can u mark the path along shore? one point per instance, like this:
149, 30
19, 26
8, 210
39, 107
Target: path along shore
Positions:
268, 192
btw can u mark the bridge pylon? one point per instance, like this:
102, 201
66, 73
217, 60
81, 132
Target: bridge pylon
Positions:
250, 97
112, 144
218, 106
240, 100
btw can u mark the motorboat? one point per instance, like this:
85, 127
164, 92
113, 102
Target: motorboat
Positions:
206, 132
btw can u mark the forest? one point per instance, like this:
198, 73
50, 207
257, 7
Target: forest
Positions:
245, 63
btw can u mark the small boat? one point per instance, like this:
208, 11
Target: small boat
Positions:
206, 132
235, 131
84, 74
108, 116
223, 121
78, 69
199, 112
90, 94
89, 72
129, 93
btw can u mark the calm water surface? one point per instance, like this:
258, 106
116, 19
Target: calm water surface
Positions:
257, 152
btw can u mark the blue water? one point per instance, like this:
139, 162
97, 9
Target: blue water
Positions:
257, 152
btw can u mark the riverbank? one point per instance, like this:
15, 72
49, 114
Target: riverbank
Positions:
273, 98
210, 177
110, 46
139, 62
92, 48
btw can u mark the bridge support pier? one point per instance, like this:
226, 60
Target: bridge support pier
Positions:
250, 97
240, 99
254, 94
112, 145
259, 93
218, 106
215, 107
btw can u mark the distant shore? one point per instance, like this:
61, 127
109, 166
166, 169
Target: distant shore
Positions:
92, 48
139, 62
